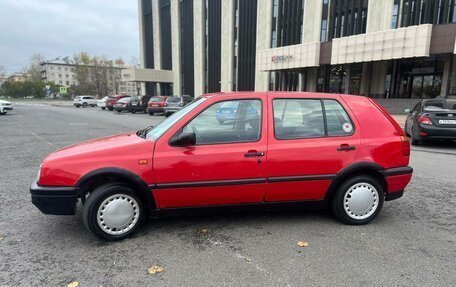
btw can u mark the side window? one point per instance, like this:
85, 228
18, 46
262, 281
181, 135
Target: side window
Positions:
298, 118
228, 122
337, 119
417, 108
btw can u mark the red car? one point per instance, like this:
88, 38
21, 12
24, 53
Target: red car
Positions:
156, 105
111, 101
301, 149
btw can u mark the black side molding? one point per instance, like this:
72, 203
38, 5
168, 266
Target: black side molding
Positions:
397, 171
208, 183
302, 178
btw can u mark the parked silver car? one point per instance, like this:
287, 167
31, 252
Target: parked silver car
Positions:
84, 101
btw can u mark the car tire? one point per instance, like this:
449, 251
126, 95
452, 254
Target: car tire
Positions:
111, 109
133, 112
221, 122
347, 205
77, 106
414, 139
119, 111
113, 211
2, 113
167, 114
103, 108
151, 113
84, 105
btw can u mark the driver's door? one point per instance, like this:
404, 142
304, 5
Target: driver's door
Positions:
226, 166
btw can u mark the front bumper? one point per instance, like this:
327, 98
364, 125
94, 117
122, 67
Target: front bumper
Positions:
433, 132
54, 200
7, 108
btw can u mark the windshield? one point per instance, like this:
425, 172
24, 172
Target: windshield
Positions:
173, 99
124, 100
155, 99
166, 124
435, 105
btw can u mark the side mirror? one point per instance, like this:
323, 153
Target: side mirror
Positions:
408, 111
185, 138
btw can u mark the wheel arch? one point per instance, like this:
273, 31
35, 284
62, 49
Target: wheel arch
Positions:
95, 178
359, 168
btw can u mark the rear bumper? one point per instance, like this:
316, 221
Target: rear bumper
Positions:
155, 110
433, 132
54, 200
172, 109
397, 179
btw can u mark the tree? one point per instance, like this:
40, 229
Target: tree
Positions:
34, 68
2, 71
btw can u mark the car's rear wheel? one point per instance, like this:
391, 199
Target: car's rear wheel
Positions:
119, 111
151, 113
103, 108
113, 212
358, 200
84, 105
133, 112
414, 138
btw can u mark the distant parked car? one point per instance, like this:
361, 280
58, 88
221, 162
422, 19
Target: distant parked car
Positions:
122, 104
431, 120
227, 112
84, 101
112, 100
176, 103
5, 106
138, 104
156, 105
102, 103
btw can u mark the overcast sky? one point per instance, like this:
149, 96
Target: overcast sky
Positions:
59, 28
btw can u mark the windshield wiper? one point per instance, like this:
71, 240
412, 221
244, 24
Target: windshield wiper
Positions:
143, 133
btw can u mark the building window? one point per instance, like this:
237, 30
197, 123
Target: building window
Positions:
417, 12
395, 18
287, 22
342, 18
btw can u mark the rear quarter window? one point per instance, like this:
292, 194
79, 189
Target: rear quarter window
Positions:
337, 120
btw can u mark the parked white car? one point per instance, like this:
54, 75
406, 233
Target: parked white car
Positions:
102, 103
84, 101
5, 106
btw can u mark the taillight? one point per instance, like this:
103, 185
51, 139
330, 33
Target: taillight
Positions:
405, 146
424, 119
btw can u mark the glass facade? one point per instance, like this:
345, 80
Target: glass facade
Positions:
341, 18
416, 12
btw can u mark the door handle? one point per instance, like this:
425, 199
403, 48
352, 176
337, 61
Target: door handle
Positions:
346, 147
253, 153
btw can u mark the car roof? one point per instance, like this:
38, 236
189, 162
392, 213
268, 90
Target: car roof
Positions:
278, 93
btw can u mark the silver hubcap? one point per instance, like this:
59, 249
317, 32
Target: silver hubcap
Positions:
361, 201
118, 214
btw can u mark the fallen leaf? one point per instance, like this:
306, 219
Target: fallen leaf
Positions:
73, 284
155, 269
203, 230
302, 244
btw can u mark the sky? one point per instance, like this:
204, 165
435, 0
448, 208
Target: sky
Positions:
60, 28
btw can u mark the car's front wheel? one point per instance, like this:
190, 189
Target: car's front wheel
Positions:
113, 211
84, 105
358, 200
103, 108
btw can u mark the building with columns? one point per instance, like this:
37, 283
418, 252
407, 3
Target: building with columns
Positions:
378, 48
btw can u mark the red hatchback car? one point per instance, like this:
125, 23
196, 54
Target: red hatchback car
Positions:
156, 105
280, 149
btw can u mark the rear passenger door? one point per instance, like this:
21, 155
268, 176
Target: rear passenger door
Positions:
310, 140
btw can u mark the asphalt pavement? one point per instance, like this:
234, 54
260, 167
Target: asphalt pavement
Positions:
411, 243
